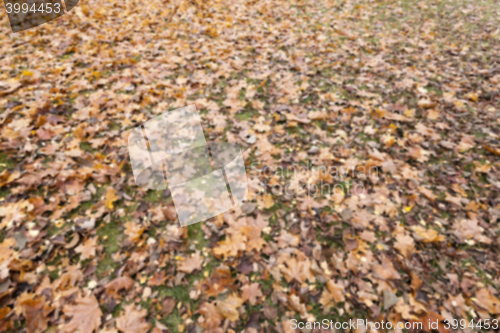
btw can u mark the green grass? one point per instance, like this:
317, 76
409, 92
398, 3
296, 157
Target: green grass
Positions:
6, 162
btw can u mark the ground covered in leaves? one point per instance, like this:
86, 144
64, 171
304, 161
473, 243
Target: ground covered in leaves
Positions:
390, 108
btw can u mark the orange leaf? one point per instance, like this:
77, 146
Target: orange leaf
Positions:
110, 197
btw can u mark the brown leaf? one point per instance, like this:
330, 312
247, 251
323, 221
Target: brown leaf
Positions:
485, 300
228, 307
87, 249
119, 284
158, 279
427, 235
132, 321
251, 292
188, 265
167, 306
386, 270
213, 318
427, 193
404, 244
35, 310
337, 290
86, 315
133, 231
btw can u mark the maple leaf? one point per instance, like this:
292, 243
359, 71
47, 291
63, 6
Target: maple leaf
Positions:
253, 234
228, 307
86, 315
132, 321
87, 249
251, 292
158, 279
188, 265
298, 269
404, 244
230, 246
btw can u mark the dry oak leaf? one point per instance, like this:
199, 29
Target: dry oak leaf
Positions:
110, 197
426, 103
287, 240
86, 315
485, 300
295, 304
386, 270
404, 244
251, 292
132, 321
191, 264
87, 249
228, 307
427, 235
427, 193
119, 284
466, 143
336, 290
317, 115
35, 310
327, 300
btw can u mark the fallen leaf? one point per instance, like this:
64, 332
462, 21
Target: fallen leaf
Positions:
188, 265
111, 197
85, 315
35, 310
87, 249
228, 307
251, 292
132, 321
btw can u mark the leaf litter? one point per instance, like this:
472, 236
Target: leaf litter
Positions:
406, 90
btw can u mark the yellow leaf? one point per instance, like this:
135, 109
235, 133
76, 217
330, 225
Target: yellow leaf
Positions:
472, 96
433, 114
268, 201
110, 197
27, 73
410, 113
